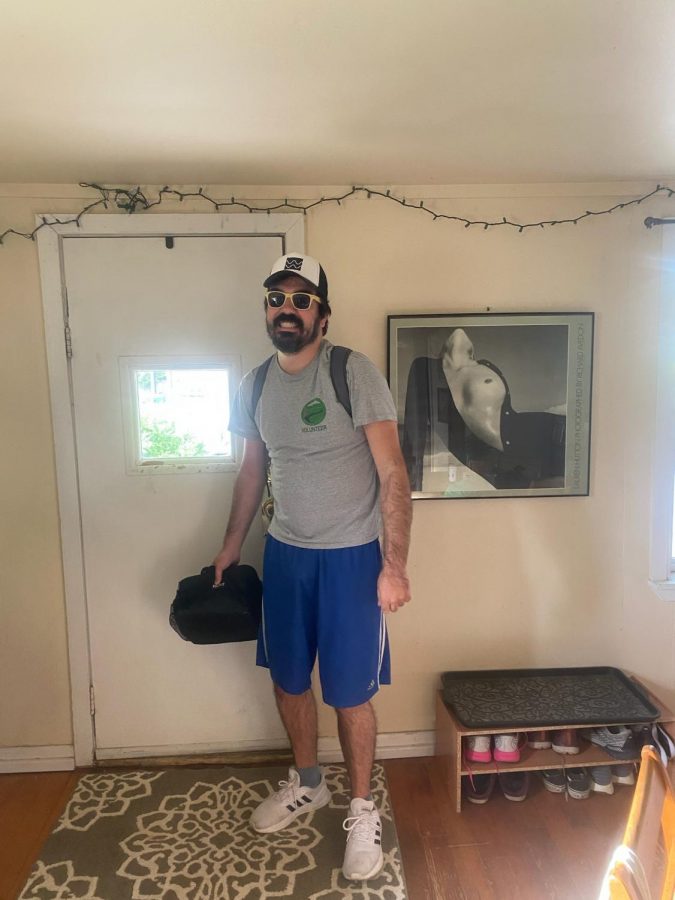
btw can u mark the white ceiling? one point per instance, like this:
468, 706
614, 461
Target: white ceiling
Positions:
336, 91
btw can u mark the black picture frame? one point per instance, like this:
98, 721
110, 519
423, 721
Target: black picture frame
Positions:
493, 404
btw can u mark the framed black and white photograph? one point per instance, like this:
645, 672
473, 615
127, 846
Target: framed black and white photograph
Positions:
492, 404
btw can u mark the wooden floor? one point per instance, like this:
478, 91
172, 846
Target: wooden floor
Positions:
29, 806
547, 847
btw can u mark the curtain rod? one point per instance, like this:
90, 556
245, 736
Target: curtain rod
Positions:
651, 222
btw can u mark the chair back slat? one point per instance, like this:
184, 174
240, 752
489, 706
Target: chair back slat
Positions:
647, 853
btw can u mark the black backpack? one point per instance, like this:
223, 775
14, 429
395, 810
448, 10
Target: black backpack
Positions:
338, 375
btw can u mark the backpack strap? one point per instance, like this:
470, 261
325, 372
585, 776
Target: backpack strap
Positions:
338, 375
259, 382
267, 507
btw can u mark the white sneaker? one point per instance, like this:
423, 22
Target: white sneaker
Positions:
363, 854
292, 800
477, 748
506, 748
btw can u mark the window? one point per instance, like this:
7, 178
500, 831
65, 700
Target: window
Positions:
176, 412
662, 537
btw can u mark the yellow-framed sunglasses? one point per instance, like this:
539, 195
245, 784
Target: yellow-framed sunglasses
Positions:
299, 299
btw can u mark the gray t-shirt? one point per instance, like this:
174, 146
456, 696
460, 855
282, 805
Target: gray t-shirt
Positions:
326, 491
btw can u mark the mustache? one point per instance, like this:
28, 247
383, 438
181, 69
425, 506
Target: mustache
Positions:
288, 318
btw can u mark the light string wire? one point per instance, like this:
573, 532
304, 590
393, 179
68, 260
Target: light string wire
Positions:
132, 200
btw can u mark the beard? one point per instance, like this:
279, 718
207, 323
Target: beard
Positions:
292, 342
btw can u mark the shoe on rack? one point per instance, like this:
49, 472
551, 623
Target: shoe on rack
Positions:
506, 748
578, 783
565, 740
601, 779
554, 780
514, 785
623, 774
291, 800
477, 748
539, 740
665, 743
478, 788
642, 735
616, 740
363, 853
656, 736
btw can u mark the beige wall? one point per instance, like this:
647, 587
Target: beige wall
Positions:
504, 583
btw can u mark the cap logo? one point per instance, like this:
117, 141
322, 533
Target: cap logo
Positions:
294, 263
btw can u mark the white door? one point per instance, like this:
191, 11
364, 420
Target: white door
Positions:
148, 322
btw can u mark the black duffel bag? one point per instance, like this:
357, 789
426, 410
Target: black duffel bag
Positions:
230, 612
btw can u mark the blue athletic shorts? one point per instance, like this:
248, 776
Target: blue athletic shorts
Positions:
324, 601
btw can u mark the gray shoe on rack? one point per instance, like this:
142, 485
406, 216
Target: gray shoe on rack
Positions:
616, 740
601, 779
624, 774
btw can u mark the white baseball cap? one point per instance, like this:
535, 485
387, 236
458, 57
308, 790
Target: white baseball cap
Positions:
299, 264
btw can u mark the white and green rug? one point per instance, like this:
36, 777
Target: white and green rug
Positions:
183, 834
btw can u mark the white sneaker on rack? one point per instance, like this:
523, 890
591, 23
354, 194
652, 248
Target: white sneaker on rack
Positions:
477, 748
506, 748
363, 854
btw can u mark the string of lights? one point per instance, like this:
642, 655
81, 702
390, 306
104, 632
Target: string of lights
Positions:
132, 200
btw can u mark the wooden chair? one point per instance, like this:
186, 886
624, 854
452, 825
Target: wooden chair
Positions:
643, 866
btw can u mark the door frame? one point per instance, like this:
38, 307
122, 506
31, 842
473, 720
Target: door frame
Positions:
288, 226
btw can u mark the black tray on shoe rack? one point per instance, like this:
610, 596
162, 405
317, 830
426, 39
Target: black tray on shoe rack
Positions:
522, 698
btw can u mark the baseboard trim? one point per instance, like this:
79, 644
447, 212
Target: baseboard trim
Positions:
201, 750
53, 758
390, 745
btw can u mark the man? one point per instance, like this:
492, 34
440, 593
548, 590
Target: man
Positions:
326, 582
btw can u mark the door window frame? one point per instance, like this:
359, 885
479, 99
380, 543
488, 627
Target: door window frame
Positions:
289, 227
135, 465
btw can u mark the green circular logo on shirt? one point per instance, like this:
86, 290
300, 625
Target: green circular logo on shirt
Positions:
313, 412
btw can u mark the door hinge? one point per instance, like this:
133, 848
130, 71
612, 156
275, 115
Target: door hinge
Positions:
69, 341
92, 703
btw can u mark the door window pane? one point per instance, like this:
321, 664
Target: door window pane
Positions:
183, 413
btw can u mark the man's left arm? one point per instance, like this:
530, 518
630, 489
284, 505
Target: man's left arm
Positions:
393, 588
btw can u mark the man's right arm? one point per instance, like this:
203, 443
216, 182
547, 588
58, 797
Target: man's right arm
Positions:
248, 489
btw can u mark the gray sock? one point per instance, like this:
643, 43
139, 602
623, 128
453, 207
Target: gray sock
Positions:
310, 777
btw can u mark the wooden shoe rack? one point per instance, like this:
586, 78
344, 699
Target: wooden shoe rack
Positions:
450, 732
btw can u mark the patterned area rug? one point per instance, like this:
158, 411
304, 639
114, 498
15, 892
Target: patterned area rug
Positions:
183, 834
